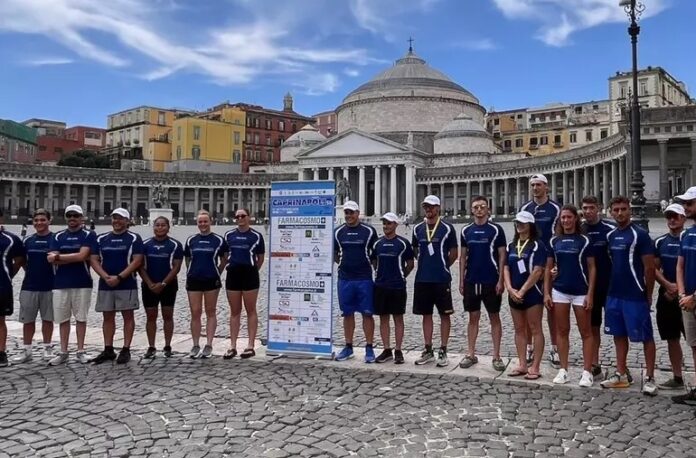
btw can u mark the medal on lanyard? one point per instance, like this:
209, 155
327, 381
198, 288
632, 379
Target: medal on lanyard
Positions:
520, 262
429, 235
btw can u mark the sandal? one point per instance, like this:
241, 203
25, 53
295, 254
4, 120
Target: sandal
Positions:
247, 353
517, 372
230, 353
532, 376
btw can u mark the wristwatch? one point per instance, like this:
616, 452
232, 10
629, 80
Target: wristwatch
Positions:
164, 283
119, 276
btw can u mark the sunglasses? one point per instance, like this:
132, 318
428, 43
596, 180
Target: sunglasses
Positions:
240, 216
73, 215
480, 207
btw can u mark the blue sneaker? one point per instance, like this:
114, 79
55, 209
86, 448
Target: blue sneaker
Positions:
346, 353
369, 354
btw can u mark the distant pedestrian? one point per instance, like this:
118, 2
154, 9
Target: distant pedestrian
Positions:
13, 258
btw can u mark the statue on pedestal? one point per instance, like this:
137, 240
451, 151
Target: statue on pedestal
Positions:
342, 191
159, 197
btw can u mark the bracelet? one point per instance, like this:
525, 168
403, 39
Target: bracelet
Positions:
164, 283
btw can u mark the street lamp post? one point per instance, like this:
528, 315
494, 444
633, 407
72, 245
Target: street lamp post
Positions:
634, 9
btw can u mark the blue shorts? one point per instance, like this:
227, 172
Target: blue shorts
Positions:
355, 296
627, 318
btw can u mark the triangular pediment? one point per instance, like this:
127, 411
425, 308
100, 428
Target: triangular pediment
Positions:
353, 143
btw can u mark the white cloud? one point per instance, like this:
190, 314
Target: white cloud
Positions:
482, 44
380, 16
561, 18
352, 72
318, 84
41, 61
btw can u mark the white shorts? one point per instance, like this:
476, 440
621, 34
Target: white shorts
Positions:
71, 301
31, 302
561, 298
689, 319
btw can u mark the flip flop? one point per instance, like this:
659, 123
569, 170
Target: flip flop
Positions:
516, 373
247, 353
532, 376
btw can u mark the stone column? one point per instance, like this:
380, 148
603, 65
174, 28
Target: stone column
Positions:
518, 193
331, 174
211, 201
554, 187
362, 189
693, 162
119, 196
100, 204
622, 176
566, 194
134, 200
196, 200
664, 177
226, 202
48, 204
378, 191
410, 189
467, 205
455, 199
595, 181
66, 196
576, 186
585, 184
182, 202
315, 174
300, 174
32, 196
606, 193
428, 189
346, 173
482, 189
494, 197
615, 178
240, 198
392, 189
507, 200
267, 202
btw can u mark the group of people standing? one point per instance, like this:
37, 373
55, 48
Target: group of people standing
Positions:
58, 282
560, 258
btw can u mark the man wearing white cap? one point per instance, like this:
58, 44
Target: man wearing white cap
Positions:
117, 257
686, 284
669, 315
392, 257
435, 246
546, 212
353, 242
72, 285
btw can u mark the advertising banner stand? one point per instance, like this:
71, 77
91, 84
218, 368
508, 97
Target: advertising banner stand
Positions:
300, 278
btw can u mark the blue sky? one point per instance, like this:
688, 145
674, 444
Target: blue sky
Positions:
79, 60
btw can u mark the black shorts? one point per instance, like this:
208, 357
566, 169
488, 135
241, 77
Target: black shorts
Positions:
242, 278
669, 317
6, 303
427, 295
389, 301
167, 297
475, 293
203, 284
599, 301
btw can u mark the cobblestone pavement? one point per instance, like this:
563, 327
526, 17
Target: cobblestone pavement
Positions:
413, 337
182, 407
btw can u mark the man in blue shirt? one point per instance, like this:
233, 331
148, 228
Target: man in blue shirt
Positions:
596, 230
435, 246
546, 212
686, 284
631, 285
72, 284
116, 258
669, 314
37, 288
481, 278
13, 258
353, 242
392, 257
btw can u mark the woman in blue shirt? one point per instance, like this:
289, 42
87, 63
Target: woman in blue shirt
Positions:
205, 254
242, 284
571, 260
526, 257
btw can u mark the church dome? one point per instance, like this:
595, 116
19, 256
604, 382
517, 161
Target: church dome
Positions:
462, 126
303, 139
463, 135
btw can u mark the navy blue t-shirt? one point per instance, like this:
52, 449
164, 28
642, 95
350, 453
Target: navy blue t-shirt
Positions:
545, 217
160, 256
433, 268
204, 251
116, 252
667, 251
39, 273
570, 253
482, 243
597, 234
626, 247
688, 251
391, 255
244, 247
75, 274
11, 247
533, 254
354, 243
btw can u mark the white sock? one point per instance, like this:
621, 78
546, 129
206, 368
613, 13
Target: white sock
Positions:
530, 347
554, 348
27, 348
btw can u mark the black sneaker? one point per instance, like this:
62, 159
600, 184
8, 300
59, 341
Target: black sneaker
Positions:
150, 353
123, 356
104, 357
385, 356
688, 399
398, 357
167, 351
596, 370
3, 359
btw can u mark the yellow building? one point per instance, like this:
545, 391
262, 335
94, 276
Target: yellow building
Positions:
205, 140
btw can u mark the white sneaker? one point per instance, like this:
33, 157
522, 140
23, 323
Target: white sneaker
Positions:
649, 386
81, 357
48, 353
561, 377
554, 359
23, 357
58, 359
587, 380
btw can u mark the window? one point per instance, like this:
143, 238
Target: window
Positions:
588, 135
604, 133
268, 140
557, 140
161, 118
196, 132
519, 143
643, 87
622, 90
668, 128
496, 122
196, 152
578, 110
281, 140
256, 139
58, 150
92, 135
656, 130
507, 145
236, 138
136, 134
544, 140
519, 116
178, 152
533, 142
573, 137
281, 126
248, 122
294, 127
178, 133
128, 117
595, 107
236, 156
256, 122
269, 124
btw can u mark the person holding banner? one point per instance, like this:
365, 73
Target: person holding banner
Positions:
392, 257
353, 242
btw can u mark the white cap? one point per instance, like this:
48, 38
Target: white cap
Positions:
539, 178
690, 194
122, 212
524, 217
74, 208
675, 208
391, 217
431, 200
351, 205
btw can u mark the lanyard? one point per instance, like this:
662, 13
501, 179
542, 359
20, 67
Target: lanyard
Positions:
520, 248
428, 233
